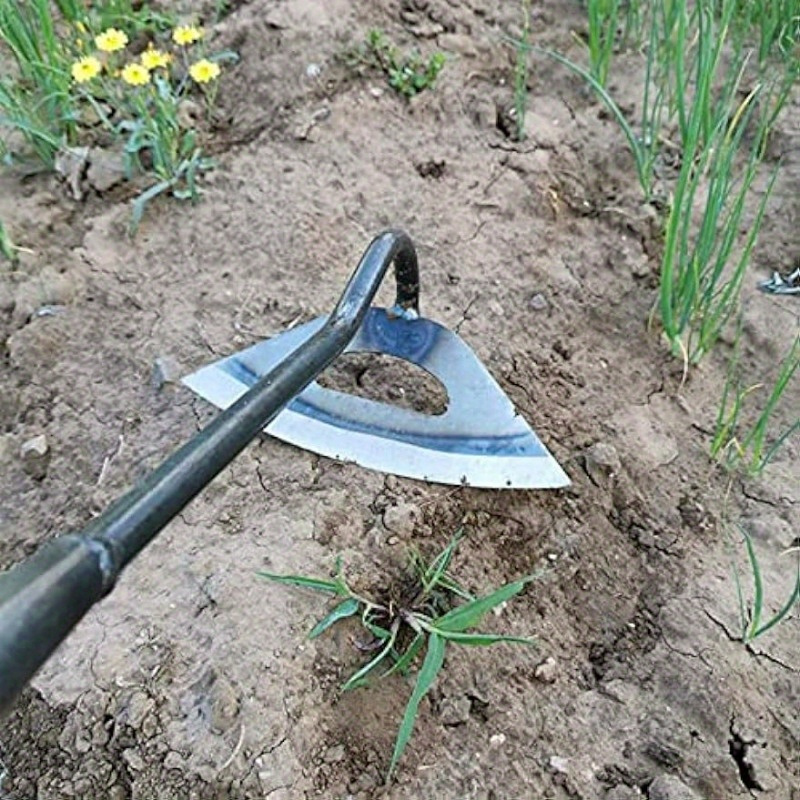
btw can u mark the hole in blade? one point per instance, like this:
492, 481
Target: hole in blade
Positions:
386, 379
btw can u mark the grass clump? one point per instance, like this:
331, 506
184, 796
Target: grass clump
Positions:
99, 72
407, 73
423, 619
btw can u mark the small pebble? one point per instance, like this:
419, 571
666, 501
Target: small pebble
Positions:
668, 787
547, 671
602, 463
559, 764
334, 754
165, 371
35, 455
497, 739
538, 302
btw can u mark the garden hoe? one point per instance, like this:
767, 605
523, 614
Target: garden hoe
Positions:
479, 441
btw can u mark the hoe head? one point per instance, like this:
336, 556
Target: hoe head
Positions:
480, 440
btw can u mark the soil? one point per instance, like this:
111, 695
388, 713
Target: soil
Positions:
194, 679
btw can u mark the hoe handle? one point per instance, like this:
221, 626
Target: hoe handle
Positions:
42, 598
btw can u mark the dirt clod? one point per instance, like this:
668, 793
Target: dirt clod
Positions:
454, 710
668, 787
602, 464
35, 454
547, 671
400, 519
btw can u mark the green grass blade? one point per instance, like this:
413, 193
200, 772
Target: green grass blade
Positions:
758, 465
315, 584
452, 586
611, 105
743, 620
434, 659
758, 587
480, 639
345, 609
376, 630
359, 676
794, 597
433, 574
406, 659
470, 614
7, 249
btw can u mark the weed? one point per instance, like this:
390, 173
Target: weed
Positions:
423, 618
407, 73
752, 618
752, 448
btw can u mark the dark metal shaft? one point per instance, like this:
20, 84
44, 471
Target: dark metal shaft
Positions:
43, 598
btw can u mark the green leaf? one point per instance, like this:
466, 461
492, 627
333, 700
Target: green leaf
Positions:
758, 587
315, 584
436, 571
434, 659
452, 586
481, 639
377, 631
345, 609
470, 614
143, 199
357, 678
405, 660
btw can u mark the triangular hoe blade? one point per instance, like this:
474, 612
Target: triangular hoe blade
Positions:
480, 440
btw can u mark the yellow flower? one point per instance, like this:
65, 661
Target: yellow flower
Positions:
153, 59
136, 74
187, 34
204, 71
85, 69
110, 40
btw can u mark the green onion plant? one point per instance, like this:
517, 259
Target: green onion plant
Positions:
752, 447
604, 22
752, 617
